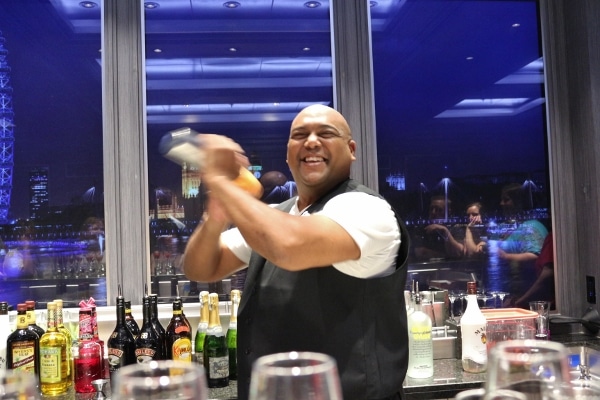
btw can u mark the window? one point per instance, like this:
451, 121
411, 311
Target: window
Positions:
241, 69
460, 110
51, 184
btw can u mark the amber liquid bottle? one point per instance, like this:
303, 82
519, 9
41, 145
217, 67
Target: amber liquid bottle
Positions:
31, 318
65, 331
148, 345
179, 335
216, 355
22, 346
121, 345
130, 321
231, 336
202, 327
54, 362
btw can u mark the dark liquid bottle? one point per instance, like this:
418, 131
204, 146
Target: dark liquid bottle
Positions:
130, 321
232, 333
23, 346
31, 318
179, 335
216, 355
156, 323
121, 345
148, 345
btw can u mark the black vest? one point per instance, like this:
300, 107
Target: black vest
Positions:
360, 322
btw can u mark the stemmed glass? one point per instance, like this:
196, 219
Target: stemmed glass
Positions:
161, 380
501, 296
538, 369
295, 376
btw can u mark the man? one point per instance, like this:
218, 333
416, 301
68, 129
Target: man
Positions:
326, 269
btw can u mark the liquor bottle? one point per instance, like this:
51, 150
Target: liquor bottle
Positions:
473, 332
420, 343
22, 346
148, 345
88, 362
179, 335
156, 323
121, 345
236, 296
65, 331
5, 331
54, 377
216, 355
202, 327
130, 321
31, 318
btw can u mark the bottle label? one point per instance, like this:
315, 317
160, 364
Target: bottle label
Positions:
182, 349
114, 358
474, 343
23, 356
144, 355
50, 364
218, 367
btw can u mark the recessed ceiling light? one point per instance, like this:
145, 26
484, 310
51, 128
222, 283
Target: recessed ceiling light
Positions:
373, 3
88, 4
516, 25
469, 58
158, 50
232, 49
150, 5
312, 4
231, 4
306, 49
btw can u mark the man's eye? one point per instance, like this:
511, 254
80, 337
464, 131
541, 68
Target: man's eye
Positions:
327, 135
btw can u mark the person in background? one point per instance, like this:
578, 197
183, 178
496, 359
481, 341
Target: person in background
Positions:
473, 245
436, 240
326, 269
276, 187
543, 287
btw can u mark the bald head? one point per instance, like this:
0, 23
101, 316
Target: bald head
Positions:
333, 116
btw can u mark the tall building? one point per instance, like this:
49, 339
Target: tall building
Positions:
190, 181
38, 192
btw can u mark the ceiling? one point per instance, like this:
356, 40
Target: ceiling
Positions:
256, 61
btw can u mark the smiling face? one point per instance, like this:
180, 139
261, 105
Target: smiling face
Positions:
320, 150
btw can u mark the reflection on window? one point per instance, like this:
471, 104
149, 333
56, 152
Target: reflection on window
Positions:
51, 205
460, 123
242, 72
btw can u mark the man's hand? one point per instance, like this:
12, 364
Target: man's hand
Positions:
222, 156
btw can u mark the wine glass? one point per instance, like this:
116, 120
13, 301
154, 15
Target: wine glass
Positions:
538, 369
452, 296
295, 376
160, 380
17, 385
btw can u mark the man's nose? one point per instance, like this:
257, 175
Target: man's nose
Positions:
312, 140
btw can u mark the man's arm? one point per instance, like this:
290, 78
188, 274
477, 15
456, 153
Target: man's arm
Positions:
290, 242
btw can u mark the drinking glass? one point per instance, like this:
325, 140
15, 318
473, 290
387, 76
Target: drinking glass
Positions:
542, 308
538, 369
18, 385
295, 376
160, 380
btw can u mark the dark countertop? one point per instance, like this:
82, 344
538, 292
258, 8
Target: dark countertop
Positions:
448, 380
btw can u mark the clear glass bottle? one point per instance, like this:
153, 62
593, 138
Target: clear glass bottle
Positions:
236, 296
202, 327
179, 335
54, 367
88, 362
216, 355
473, 334
5, 331
420, 342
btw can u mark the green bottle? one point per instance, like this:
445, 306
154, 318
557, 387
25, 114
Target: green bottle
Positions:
202, 327
236, 296
216, 355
